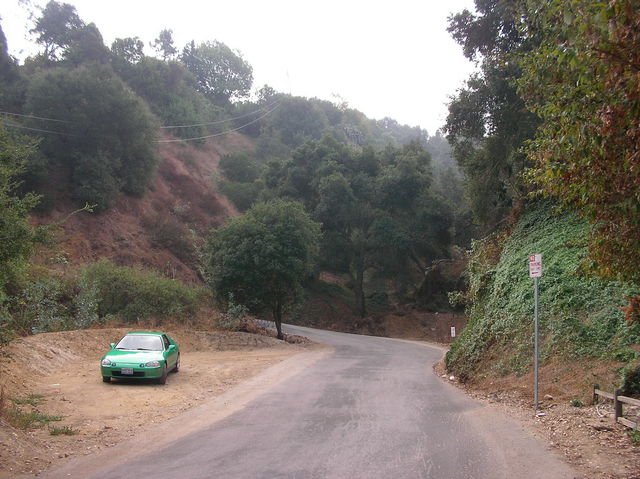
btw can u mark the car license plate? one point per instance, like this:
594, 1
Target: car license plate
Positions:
126, 371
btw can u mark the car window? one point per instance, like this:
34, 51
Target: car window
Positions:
141, 342
166, 342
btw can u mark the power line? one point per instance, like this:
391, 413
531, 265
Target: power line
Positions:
221, 133
217, 122
35, 117
11, 125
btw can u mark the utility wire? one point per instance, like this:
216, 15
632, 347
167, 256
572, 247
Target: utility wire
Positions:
35, 117
221, 133
11, 125
221, 121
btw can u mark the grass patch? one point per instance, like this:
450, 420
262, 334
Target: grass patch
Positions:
29, 420
61, 431
29, 400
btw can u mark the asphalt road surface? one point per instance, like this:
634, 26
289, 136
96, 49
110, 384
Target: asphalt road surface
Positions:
368, 408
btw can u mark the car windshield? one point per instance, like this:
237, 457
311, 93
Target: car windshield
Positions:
141, 342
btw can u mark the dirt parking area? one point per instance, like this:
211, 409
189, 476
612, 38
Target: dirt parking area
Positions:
58, 373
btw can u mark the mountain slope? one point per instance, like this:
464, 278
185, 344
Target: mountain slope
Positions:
158, 230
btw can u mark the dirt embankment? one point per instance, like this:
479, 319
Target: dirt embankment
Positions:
152, 231
63, 368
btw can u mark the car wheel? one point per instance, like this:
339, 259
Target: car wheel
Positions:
176, 368
106, 379
163, 379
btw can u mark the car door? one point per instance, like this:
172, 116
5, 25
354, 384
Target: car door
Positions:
171, 353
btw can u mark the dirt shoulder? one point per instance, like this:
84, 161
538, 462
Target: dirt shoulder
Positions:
586, 437
61, 370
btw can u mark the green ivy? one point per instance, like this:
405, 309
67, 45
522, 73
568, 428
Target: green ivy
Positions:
579, 315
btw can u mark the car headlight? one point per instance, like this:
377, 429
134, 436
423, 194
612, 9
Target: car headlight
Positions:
107, 362
153, 364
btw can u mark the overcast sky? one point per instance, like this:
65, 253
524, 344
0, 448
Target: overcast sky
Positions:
385, 58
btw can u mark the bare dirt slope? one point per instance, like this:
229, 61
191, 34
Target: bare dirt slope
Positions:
181, 197
63, 369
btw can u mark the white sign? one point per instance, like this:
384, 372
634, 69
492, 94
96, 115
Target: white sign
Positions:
453, 331
535, 265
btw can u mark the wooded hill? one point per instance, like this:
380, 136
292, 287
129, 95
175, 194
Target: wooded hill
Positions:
158, 150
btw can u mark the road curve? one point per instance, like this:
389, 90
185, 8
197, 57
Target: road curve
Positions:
370, 408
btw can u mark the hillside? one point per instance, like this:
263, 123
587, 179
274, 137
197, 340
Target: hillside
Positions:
585, 338
157, 230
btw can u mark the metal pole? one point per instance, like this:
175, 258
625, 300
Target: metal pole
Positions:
535, 343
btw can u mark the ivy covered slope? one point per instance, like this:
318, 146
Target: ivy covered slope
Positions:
581, 317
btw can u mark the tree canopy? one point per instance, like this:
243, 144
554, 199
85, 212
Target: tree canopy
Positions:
222, 74
107, 139
17, 237
261, 259
583, 81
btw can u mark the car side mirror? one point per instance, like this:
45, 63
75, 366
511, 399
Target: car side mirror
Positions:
171, 346
113, 345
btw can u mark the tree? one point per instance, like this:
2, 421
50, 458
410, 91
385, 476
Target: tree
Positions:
17, 237
376, 210
164, 44
171, 92
55, 28
130, 49
86, 46
11, 81
261, 258
488, 122
222, 74
583, 80
108, 136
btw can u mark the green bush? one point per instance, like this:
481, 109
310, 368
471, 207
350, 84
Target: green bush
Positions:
243, 195
132, 295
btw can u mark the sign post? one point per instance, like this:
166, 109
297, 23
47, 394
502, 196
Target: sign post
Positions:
535, 272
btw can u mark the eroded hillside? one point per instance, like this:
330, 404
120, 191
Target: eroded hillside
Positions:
159, 230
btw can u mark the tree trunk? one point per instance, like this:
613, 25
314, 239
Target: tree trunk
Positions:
359, 292
277, 318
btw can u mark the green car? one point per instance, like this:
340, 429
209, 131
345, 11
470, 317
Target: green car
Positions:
141, 355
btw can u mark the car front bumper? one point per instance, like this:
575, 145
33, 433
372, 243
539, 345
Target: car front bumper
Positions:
135, 370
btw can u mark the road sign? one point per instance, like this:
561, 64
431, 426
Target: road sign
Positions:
535, 265
453, 331
535, 271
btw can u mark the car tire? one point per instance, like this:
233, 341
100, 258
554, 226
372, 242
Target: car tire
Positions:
106, 379
176, 368
163, 379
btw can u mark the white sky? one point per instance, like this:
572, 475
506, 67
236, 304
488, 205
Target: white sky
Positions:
385, 58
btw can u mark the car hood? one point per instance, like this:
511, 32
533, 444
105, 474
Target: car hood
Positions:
125, 356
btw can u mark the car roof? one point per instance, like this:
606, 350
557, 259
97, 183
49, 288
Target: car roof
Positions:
148, 333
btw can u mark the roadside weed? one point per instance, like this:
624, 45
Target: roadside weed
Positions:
61, 431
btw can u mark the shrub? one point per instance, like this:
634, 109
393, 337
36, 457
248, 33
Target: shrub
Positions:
133, 295
169, 233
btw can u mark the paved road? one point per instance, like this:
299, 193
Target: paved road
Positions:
371, 408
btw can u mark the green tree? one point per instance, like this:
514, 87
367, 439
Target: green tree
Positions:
17, 237
583, 80
377, 212
171, 92
164, 44
222, 74
55, 28
130, 49
108, 141
488, 122
11, 80
262, 258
